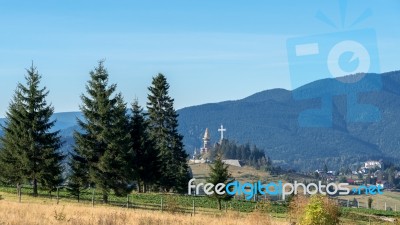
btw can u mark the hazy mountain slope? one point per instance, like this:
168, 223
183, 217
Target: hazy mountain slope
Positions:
270, 120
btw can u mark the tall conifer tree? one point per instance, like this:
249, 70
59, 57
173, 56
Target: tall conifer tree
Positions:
145, 161
30, 151
163, 126
101, 150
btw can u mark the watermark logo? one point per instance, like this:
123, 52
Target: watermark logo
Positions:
249, 190
335, 55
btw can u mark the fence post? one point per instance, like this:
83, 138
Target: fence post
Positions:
92, 197
19, 188
162, 205
395, 208
194, 209
385, 206
348, 203
58, 194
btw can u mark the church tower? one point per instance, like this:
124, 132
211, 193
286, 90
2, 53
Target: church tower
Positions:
206, 140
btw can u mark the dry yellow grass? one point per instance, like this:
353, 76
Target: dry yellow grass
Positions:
13, 213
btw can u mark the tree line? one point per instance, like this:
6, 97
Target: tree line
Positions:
252, 156
115, 150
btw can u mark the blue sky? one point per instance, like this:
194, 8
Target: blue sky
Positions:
210, 51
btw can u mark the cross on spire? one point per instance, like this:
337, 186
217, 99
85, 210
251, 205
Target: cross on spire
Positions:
222, 130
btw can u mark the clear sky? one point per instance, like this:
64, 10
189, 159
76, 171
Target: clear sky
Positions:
210, 51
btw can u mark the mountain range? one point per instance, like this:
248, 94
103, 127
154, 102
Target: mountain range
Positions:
270, 120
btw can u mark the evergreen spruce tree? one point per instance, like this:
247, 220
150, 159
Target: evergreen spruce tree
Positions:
144, 156
115, 163
102, 149
78, 181
163, 125
30, 151
219, 173
325, 168
11, 171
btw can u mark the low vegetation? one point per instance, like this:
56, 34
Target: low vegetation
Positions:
315, 210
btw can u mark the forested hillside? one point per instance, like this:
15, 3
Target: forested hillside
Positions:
269, 119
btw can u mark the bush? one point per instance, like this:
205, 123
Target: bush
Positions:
320, 210
314, 210
370, 200
297, 207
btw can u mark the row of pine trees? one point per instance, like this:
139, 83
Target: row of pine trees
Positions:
116, 149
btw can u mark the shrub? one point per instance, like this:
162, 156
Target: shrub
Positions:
320, 210
370, 200
297, 206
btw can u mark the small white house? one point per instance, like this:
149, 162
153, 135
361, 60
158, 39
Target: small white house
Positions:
199, 161
372, 164
232, 162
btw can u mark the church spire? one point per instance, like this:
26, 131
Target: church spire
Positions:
206, 140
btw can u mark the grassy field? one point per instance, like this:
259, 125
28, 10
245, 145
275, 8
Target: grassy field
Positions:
45, 212
177, 209
142, 200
